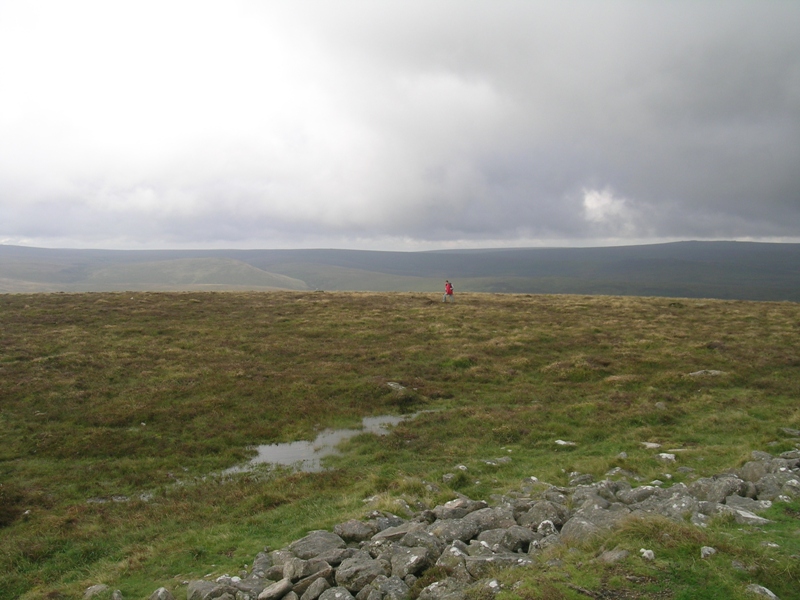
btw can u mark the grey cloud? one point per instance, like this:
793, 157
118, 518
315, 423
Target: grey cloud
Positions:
450, 121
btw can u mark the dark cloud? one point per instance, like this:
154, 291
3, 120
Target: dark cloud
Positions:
406, 124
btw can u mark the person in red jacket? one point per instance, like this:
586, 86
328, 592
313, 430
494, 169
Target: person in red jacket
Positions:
448, 292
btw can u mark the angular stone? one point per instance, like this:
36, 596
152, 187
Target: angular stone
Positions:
388, 588
354, 573
747, 503
578, 529
613, 556
480, 567
275, 591
636, 495
745, 517
336, 593
760, 590
448, 589
458, 508
454, 529
95, 590
261, 563
208, 590
424, 539
511, 539
491, 518
753, 470
453, 561
315, 589
398, 532
543, 511
161, 593
316, 543
355, 530
409, 561
321, 570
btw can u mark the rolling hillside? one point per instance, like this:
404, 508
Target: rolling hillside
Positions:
726, 270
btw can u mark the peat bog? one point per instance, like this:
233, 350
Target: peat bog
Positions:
117, 408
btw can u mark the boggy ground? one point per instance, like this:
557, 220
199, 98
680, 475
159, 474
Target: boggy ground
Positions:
117, 409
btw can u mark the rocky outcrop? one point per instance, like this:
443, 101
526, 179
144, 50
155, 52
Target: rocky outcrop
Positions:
382, 557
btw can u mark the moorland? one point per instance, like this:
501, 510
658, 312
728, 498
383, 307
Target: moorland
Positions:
121, 410
724, 270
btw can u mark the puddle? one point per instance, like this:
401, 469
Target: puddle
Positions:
307, 456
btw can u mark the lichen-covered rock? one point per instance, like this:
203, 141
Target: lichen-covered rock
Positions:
454, 529
336, 593
355, 531
208, 590
458, 508
409, 561
161, 593
275, 591
316, 543
315, 589
356, 572
543, 510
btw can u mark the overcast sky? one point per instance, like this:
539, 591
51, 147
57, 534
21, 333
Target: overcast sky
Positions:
397, 125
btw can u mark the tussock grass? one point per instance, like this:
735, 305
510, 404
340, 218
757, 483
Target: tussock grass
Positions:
148, 395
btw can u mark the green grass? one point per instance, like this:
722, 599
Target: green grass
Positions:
151, 394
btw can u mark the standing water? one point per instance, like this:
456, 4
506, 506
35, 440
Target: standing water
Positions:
307, 456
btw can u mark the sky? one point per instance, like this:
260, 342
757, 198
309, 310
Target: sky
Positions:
404, 125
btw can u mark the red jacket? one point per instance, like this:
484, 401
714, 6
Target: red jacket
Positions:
448, 289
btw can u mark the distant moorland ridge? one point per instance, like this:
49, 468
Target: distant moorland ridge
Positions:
726, 270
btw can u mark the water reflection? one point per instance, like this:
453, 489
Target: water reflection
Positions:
307, 456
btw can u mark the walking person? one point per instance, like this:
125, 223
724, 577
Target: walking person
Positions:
448, 292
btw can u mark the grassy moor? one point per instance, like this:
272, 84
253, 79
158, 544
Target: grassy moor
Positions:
120, 412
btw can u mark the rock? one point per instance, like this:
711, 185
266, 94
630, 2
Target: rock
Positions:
791, 432
398, 531
316, 543
647, 554
448, 589
543, 510
315, 589
480, 567
578, 529
716, 489
336, 593
651, 445
273, 592
162, 593
564, 443
707, 551
261, 563
117, 595
753, 470
356, 572
665, 457
613, 556
747, 503
386, 588
745, 517
320, 570
95, 590
546, 529
636, 495
355, 531
707, 373
458, 508
760, 590
207, 590
454, 529
410, 561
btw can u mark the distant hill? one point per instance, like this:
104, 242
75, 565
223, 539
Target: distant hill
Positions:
728, 270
